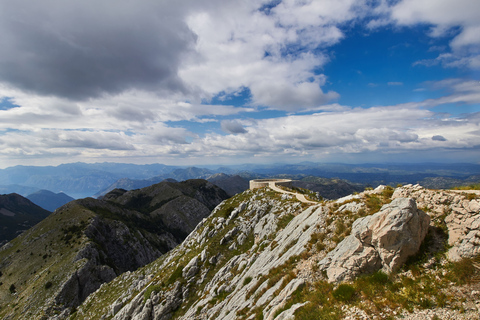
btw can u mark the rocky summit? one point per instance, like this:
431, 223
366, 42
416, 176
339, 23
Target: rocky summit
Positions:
397, 253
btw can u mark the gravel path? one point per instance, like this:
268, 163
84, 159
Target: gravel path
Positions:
299, 196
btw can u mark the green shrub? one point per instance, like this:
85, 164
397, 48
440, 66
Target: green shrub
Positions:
48, 285
284, 220
12, 289
344, 292
373, 203
247, 280
379, 277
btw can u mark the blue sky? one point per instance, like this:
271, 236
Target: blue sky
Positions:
220, 82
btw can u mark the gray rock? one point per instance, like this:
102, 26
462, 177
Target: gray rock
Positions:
384, 240
289, 314
191, 268
171, 302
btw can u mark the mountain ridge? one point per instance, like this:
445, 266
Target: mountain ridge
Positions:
257, 257
55, 265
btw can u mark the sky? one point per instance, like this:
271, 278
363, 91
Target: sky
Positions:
192, 82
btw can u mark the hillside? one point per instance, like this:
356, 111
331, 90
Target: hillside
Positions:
330, 188
264, 255
49, 200
18, 214
87, 242
232, 184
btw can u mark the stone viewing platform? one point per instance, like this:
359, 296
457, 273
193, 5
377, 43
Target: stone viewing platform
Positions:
262, 183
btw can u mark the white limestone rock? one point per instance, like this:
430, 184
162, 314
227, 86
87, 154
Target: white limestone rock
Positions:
384, 240
191, 268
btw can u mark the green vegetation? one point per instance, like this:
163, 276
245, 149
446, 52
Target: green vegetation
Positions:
152, 289
475, 186
284, 221
247, 280
465, 271
175, 275
344, 292
48, 285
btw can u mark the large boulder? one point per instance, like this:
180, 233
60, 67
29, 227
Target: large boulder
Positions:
381, 241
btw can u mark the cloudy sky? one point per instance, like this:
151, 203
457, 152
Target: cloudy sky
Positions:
228, 81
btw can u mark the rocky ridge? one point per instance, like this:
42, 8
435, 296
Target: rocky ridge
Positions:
52, 268
263, 255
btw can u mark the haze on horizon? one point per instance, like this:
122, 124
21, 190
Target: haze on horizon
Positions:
223, 82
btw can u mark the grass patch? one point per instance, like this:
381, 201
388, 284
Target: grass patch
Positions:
177, 274
284, 220
344, 292
465, 271
150, 290
475, 186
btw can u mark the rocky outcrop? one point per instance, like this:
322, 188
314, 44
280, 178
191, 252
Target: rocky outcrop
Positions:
382, 241
458, 211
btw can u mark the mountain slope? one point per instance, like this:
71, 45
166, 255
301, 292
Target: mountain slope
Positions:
261, 255
49, 200
55, 265
18, 214
232, 184
328, 188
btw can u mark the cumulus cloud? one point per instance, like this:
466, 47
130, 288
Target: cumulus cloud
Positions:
81, 50
380, 130
245, 47
89, 79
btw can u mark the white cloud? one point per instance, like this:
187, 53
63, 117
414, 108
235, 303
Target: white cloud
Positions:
380, 130
444, 16
245, 48
117, 86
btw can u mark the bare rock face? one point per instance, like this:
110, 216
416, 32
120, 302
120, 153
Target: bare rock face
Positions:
459, 211
382, 241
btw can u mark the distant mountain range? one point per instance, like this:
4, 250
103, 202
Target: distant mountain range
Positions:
81, 180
